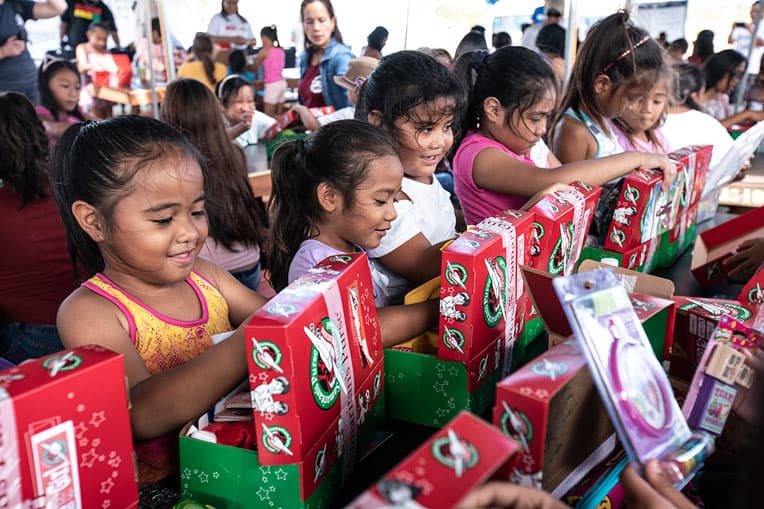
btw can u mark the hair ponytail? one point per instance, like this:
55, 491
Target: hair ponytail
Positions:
271, 33
338, 154
202, 49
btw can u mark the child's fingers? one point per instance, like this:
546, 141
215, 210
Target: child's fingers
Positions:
665, 487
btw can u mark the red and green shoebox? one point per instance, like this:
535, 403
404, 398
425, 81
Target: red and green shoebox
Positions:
311, 349
650, 295
478, 287
460, 457
634, 218
697, 159
552, 408
292, 117
672, 244
715, 245
63, 444
752, 294
316, 376
634, 259
696, 319
561, 224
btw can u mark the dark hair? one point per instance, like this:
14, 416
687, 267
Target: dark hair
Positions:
46, 95
377, 37
98, 24
96, 162
156, 26
688, 78
721, 65
271, 33
228, 88
237, 61
703, 47
202, 50
336, 34
501, 39
231, 207
551, 39
516, 76
679, 44
225, 16
473, 41
24, 148
338, 154
403, 81
614, 47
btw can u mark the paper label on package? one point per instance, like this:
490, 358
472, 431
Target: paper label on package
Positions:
54, 455
10, 477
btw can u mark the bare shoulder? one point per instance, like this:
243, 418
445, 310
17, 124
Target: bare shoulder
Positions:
572, 141
88, 318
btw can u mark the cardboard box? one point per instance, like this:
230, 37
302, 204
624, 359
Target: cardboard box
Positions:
633, 259
719, 243
552, 406
634, 218
650, 295
62, 443
752, 294
479, 286
696, 319
674, 243
561, 223
292, 117
313, 348
696, 158
463, 455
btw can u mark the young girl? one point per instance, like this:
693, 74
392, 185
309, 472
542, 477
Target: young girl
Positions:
723, 72
232, 211
639, 126
59, 84
271, 57
135, 220
415, 99
237, 64
90, 60
332, 194
246, 125
686, 124
201, 66
616, 65
503, 160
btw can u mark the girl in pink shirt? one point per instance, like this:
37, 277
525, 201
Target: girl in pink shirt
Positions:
503, 160
272, 58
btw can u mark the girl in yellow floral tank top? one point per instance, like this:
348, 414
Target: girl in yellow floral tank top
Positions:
135, 219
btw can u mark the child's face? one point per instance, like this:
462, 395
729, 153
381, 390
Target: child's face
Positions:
732, 79
370, 217
644, 114
616, 99
526, 128
241, 106
423, 140
97, 38
158, 228
65, 87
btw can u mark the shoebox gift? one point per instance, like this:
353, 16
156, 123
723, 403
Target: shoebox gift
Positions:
752, 294
719, 243
696, 158
551, 407
673, 243
639, 258
481, 286
561, 224
460, 457
696, 320
292, 117
634, 218
63, 444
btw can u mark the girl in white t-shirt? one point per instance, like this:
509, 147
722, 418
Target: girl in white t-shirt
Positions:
415, 99
229, 29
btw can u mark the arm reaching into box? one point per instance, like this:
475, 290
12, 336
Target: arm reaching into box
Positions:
656, 492
401, 323
505, 494
749, 257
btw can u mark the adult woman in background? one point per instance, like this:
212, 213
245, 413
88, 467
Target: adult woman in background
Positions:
201, 66
230, 29
325, 57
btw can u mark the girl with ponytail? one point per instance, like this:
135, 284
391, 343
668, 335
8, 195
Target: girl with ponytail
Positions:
272, 58
333, 193
201, 66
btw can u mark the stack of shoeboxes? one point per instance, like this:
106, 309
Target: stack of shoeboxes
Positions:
460, 457
316, 379
62, 443
291, 117
652, 227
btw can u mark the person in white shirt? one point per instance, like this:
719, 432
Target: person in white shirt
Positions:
229, 29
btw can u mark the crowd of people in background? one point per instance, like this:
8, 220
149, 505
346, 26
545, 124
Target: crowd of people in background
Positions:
418, 143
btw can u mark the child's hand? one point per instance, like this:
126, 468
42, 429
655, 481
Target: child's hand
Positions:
656, 492
750, 255
662, 163
13, 47
545, 192
505, 494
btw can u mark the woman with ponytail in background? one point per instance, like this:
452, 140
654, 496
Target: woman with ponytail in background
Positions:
201, 66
